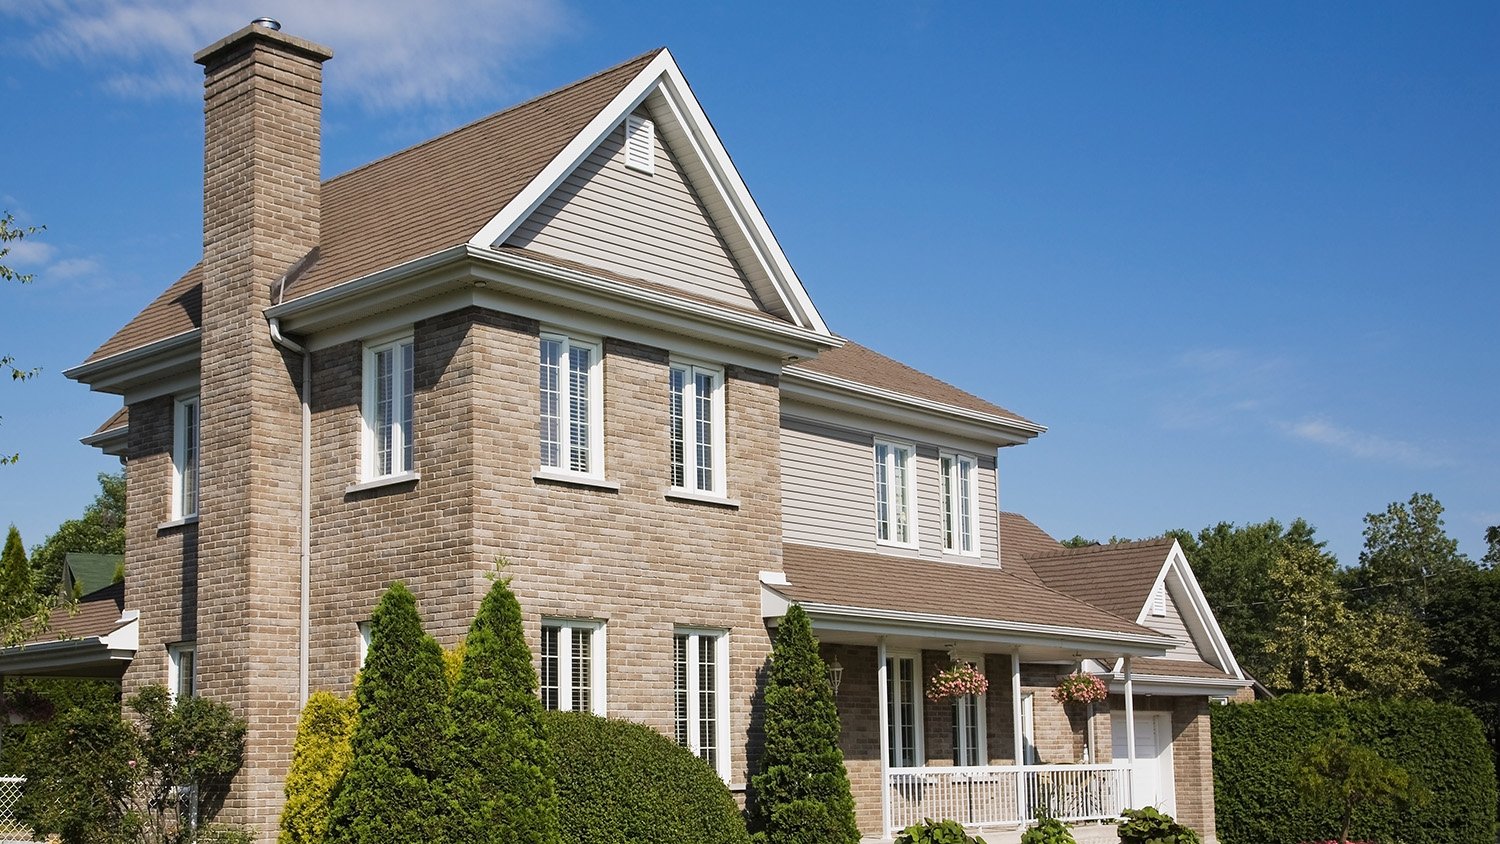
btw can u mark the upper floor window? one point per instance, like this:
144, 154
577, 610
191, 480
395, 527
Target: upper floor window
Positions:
960, 494
572, 405
697, 428
388, 394
185, 458
181, 677
895, 494
701, 695
573, 666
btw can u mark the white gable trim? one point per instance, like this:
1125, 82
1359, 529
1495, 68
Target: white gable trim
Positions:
662, 73
1197, 605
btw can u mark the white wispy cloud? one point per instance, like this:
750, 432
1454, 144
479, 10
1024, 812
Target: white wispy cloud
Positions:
390, 54
29, 253
1363, 444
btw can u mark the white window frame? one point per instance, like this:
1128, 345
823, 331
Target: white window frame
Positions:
694, 719
894, 721
598, 682
186, 448
634, 128
885, 473
595, 411
950, 477
364, 633
175, 653
402, 463
961, 747
690, 465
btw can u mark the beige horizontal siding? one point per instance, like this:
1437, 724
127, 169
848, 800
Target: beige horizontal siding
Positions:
1172, 625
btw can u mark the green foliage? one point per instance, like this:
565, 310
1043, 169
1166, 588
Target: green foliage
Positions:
39, 700
619, 782
391, 790
1350, 777
1319, 645
93, 776
1078, 540
1256, 748
1149, 826
1492, 537
500, 771
10, 232
1047, 830
100, 530
22, 615
320, 756
801, 793
1407, 553
1464, 620
938, 832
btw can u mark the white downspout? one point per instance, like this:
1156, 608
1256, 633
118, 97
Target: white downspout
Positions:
306, 521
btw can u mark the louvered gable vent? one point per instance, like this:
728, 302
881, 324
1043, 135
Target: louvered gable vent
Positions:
1159, 601
640, 144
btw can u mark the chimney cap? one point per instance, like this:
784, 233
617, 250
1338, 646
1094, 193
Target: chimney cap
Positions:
266, 32
268, 23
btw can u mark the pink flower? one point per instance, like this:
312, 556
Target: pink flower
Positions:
1079, 687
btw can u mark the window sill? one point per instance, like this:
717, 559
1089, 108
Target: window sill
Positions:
553, 476
693, 495
898, 546
388, 480
177, 523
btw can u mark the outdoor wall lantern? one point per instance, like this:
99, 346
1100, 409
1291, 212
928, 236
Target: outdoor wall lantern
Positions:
835, 675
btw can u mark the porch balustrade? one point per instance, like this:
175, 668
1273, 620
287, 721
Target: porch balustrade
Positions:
986, 795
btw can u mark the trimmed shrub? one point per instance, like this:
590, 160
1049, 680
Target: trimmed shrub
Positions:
938, 832
499, 785
1149, 826
1048, 830
801, 795
391, 791
1257, 747
80, 777
319, 758
619, 782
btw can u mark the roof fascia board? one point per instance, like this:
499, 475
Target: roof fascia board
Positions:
865, 426
112, 442
663, 72
138, 367
1176, 686
868, 400
1199, 604
863, 619
182, 383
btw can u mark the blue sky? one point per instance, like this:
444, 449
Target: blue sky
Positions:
1242, 259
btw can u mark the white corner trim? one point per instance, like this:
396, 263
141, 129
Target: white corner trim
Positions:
774, 578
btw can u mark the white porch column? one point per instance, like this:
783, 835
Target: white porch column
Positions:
1016, 726
1130, 734
882, 696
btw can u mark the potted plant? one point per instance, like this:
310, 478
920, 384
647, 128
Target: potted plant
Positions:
1080, 687
958, 680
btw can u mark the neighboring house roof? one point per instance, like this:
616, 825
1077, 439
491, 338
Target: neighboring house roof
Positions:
415, 202
911, 585
864, 365
1117, 577
1019, 537
92, 572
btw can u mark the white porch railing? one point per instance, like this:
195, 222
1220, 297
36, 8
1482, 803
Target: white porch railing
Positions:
985, 795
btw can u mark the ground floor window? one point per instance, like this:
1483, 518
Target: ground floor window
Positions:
700, 695
181, 677
969, 739
573, 666
904, 710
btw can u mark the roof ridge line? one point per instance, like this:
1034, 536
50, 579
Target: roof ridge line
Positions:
1097, 548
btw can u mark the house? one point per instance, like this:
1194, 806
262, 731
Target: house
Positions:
565, 338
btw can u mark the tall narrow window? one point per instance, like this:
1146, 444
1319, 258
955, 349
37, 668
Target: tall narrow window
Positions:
185, 458
895, 495
696, 410
960, 493
366, 630
701, 672
572, 404
969, 740
573, 666
181, 679
903, 710
389, 394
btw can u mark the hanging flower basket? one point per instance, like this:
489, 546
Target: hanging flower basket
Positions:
1079, 687
959, 680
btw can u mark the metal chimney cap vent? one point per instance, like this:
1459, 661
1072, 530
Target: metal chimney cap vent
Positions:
268, 23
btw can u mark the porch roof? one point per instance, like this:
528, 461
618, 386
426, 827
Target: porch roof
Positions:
914, 591
97, 637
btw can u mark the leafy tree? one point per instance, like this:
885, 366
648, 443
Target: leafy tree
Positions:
1406, 553
10, 232
802, 791
500, 770
1492, 536
320, 756
1464, 620
391, 790
1078, 541
1352, 777
1317, 644
22, 614
1233, 565
100, 530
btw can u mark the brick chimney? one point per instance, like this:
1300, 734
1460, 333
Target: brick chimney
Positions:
261, 185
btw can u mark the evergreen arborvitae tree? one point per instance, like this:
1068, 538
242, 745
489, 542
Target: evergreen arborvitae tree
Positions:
500, 780
320, 756
392, 790
15, 571
802, 791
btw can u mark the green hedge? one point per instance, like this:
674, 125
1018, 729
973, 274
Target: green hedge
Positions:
1256, 746
621, 783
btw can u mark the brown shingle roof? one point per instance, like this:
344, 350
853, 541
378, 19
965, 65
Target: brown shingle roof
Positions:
1019, 536
97, 615
1116, 577
1195, 669
882, 582
119, 419
864, 365
418, 201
